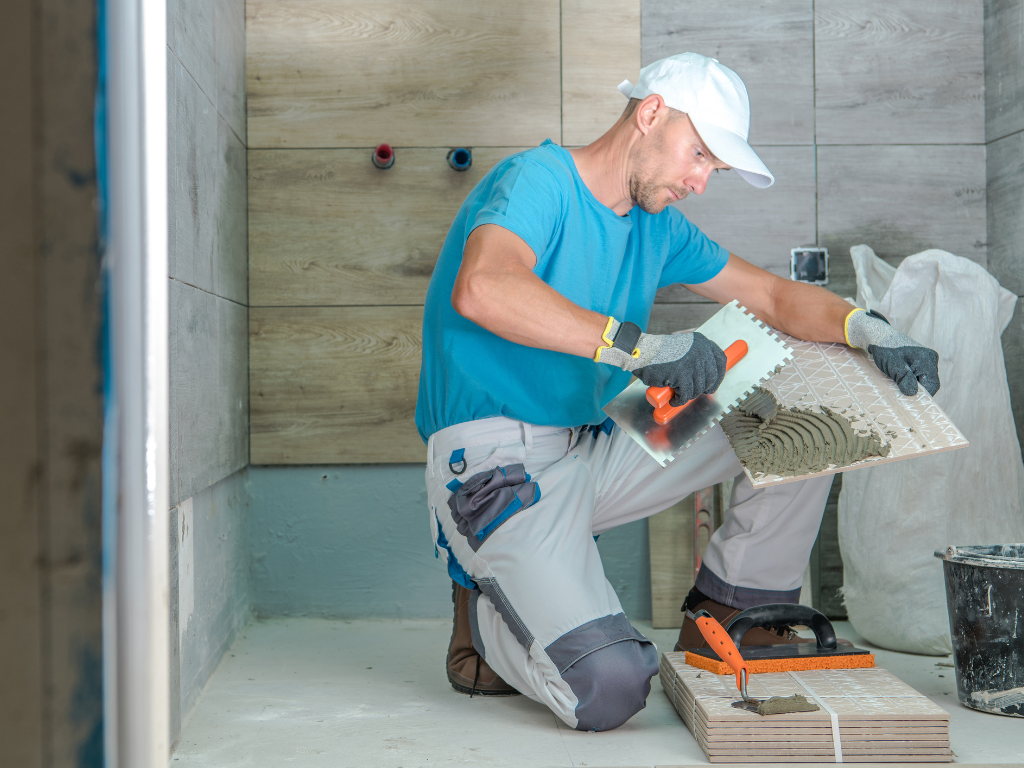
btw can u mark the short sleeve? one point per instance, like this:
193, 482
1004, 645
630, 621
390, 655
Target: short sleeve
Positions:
525, 198
693, 256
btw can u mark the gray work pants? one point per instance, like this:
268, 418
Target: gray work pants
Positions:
514, 509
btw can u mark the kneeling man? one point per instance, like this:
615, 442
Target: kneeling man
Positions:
534, 320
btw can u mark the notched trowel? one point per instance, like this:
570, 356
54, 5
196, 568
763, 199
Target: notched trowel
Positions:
633, 409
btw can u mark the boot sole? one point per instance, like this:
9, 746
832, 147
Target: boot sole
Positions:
468, 690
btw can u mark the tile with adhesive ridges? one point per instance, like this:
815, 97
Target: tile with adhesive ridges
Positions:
847, 382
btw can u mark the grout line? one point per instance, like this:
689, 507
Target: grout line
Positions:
209, 293
395, 146
213, 103
905, 144
815, 144
1000, 138
561, 79
561, 737
814, 115
324, 306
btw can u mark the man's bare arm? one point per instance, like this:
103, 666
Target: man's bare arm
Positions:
805, 311
497, 289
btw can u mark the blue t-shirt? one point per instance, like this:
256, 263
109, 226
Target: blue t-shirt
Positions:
597, 259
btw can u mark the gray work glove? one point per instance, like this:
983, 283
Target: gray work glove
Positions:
690, 363
897, 355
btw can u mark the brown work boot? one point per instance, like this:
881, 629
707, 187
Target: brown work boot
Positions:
467, 672
690, 637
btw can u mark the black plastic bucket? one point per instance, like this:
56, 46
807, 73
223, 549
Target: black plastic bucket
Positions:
985, 596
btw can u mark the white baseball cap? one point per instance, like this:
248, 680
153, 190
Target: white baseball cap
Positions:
715, 99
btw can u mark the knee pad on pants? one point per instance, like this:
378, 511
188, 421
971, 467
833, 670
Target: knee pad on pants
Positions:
608, 666
612, 684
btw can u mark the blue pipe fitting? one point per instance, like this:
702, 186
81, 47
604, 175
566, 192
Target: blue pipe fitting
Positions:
460, 159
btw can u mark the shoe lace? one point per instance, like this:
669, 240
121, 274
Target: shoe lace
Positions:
785, 631
476, 676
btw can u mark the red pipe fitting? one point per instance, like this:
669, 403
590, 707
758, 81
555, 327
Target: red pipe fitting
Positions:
383, 156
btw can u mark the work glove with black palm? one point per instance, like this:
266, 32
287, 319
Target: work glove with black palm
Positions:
690, 363
897, 355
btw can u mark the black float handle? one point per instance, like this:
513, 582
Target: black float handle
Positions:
780, 615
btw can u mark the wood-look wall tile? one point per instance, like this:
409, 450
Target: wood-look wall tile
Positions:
328, 228
334, 384
759, 225
428, 73
668, 318
768, 43
600, 49
230, 260
1006, 211
209, 394
229, 35
1004, 68
901, 200
899, 72
190, 36
192, 164
670, 543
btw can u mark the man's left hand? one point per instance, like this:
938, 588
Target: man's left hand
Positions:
897, 355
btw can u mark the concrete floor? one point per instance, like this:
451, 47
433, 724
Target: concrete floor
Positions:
312, 692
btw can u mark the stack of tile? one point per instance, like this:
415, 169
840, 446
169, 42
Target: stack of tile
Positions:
864, 716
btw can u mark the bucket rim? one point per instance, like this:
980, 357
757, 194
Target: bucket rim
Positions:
988, 556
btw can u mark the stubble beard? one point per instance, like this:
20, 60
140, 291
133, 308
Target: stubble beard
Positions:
645, 192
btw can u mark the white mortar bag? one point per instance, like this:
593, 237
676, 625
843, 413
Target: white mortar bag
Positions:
873, 276
894, 516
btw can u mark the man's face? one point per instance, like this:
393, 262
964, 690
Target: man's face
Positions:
671, 162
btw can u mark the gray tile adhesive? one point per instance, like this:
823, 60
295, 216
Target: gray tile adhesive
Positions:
784, 705
770, 439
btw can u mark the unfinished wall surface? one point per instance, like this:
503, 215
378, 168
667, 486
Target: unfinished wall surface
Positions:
355, 542
1004, 134
209, 360
51, 698
209, 596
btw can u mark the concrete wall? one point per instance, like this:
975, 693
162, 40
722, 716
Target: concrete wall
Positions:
1004, 136
208, 284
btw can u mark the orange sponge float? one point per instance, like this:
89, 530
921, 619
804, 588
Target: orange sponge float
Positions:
798, 663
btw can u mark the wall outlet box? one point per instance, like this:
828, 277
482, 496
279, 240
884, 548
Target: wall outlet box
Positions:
809, 265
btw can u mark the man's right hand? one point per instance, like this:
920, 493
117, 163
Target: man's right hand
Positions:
690, 363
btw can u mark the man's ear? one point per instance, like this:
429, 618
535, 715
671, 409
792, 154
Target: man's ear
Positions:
649, 111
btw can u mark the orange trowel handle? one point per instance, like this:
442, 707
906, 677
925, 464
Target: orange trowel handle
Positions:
659, 397
723, 645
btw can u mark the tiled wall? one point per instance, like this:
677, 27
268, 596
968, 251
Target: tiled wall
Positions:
340, 252
1004, 134
208, 245
209, 361
869, 113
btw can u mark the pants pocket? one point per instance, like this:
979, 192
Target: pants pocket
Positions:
488, 499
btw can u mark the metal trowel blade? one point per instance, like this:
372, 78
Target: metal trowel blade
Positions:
765, 352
